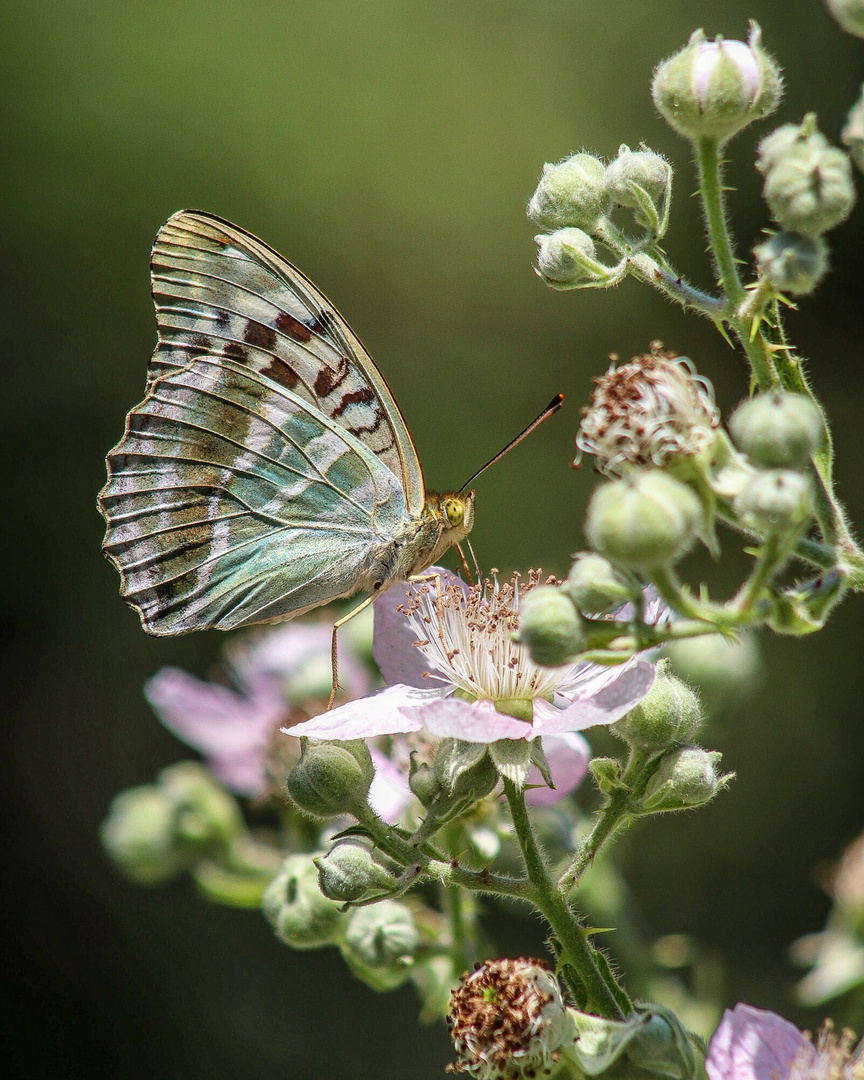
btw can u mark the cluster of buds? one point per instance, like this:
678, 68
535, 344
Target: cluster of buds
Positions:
573, 201
809, 190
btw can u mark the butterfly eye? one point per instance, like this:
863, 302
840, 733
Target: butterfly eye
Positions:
455, 511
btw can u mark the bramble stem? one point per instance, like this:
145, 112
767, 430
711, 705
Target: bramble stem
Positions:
575, 953
613, 818
708, 162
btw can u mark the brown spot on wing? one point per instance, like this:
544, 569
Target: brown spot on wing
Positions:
198, 345
259, 335
363, 396
222, 318
282, 373
233, 350
293, 328
329, 378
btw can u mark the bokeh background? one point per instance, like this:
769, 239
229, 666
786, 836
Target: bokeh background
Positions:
388, 149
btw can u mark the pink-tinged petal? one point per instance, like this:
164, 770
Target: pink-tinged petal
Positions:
393, 640
604, 706
754, 1044
378, 714
477, 722
243, 773
212, 718
389, 795
568, 756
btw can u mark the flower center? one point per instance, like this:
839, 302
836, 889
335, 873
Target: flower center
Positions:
833, 1057
464, 633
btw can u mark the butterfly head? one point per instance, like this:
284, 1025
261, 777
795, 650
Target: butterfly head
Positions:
454, 513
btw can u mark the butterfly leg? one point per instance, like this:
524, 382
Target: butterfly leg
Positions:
333, 644
464, 562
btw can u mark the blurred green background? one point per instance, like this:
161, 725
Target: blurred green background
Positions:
388, 149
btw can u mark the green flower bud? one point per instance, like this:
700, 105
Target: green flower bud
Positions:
593, 584
808, 184
205, 813
777, 500
642, 181
792, 262
550, 627
713, 89
669, 714
465, 773
853, 133
806, 607
651, 1042
777, 430
685, 778
294, 906
139, 835
778, 143
849, 14
562, 256
350, 872
331, 778
644, 521
607, 775
380, 942
423, 781
573, 192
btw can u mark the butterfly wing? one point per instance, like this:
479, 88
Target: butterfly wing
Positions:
269, 469
232, 500
220, 291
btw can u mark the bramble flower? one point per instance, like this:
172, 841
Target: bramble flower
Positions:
648, 411
281, 676
754, 1044
488, 690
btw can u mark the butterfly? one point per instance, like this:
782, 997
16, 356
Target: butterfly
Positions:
268, 469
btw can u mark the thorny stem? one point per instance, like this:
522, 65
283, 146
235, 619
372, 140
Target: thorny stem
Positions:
576, 955
708, 162
611, 819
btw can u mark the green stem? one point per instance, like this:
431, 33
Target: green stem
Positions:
452, 902
708, 161
646, 269
576, 955
613, 818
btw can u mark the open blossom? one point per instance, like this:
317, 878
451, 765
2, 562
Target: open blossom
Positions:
454, 672
281, 675
754, 1044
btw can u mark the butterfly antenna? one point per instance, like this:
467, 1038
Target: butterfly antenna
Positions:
553, 407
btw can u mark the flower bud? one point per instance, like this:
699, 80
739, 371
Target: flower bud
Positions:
380, 942
777, 430
465, 773
808, 184
294, 906
713, 89
853, 133
776, 500
204, 811
793, 263
593, 584
350, 872
650, 1042
645, 521
561, 260
550, 627
642, 181
573, 192
508, 1019
778, 143
849, 14
139, 835
606, 772
331, 778
685, 778
423, 781
669, 714
806, 607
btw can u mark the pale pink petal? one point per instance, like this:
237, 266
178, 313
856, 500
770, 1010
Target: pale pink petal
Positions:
615, 697
392, 642
378, 714
754, 1044
209, 717
241, 772
476, 722
389, 795
568, 756
741, 55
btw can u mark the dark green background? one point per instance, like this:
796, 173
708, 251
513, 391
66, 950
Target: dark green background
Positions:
388, 149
